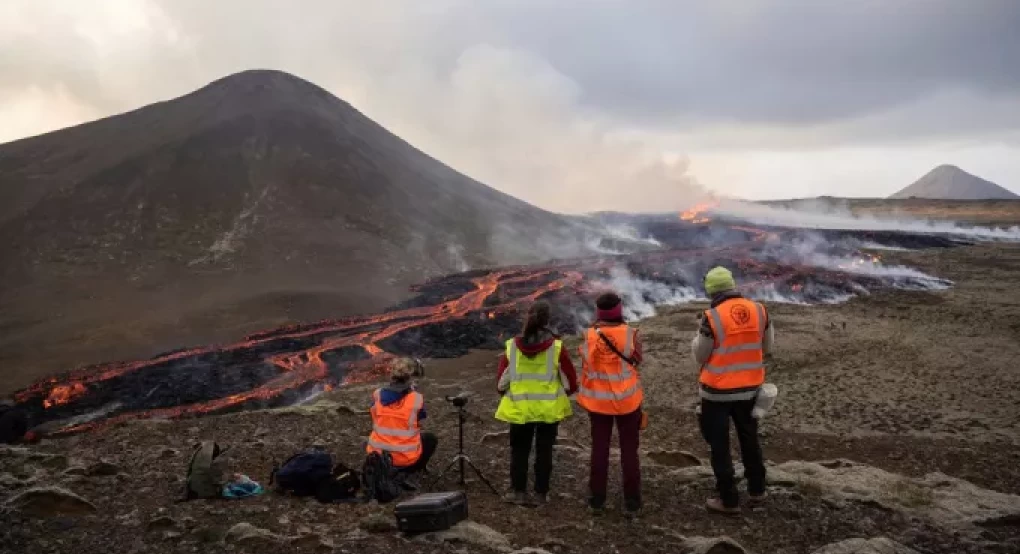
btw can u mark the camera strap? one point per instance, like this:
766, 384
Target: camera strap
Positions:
613, 347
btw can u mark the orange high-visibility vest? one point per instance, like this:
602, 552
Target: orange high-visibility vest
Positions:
736, 367
609, 384
395, 428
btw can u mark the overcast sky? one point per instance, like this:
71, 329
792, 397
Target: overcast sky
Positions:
575, 105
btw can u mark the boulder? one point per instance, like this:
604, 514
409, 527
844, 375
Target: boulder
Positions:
247, 534
378, 523
76, 470
103, 468
9, 481
880, 545
674, 458
712, 545
495, 438
54, 461
475, 534
944, 500
49, 501
697, 474
161, 523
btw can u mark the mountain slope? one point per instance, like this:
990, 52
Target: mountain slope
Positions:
948, 182
259, 199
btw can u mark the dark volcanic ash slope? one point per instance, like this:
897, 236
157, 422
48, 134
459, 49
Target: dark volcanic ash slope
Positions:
255, 200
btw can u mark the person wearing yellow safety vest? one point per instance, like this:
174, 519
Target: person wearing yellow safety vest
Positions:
733, 337
535, 379
397, 410
611, 393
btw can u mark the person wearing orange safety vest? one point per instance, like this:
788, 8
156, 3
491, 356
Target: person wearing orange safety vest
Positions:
397, 410
734, 335
611, 393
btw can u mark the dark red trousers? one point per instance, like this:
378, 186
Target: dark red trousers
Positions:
629, 428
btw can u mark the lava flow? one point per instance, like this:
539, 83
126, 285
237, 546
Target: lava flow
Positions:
476, 309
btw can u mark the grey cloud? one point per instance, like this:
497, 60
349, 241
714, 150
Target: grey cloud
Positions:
772, 62
551, 100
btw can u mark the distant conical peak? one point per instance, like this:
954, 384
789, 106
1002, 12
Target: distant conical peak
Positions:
949, 182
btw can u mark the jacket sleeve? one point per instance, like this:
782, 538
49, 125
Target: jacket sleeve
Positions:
636, 353
567, 372
702, 343
770, 337
502, 376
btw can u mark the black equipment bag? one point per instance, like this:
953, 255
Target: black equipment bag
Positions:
434, 511
303, 473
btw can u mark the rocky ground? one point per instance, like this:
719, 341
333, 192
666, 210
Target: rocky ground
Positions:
896, 431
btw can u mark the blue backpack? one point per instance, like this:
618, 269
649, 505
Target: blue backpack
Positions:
303, 473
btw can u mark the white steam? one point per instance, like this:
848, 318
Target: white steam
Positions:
455, 253
618, 238
834, 219
641, 297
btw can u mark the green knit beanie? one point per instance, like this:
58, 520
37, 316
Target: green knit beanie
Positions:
719, 279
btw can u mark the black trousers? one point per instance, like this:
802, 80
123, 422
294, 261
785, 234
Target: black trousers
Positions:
429, 442
715, 428
521, 437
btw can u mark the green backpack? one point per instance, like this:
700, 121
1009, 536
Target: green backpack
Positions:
205, 472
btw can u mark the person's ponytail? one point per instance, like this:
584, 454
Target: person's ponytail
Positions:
538, 319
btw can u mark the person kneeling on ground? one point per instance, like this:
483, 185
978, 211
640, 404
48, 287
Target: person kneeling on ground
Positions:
397, 410
730, 346
535, 379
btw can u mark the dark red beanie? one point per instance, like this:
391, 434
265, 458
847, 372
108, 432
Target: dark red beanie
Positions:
609, 307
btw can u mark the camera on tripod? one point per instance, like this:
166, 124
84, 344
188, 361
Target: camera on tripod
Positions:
459, 401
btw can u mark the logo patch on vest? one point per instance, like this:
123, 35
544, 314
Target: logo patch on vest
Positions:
740, 314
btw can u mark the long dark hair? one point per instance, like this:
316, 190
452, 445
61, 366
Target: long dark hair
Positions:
538, 319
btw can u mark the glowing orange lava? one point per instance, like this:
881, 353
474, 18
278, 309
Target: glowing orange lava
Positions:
697, 215
62, 394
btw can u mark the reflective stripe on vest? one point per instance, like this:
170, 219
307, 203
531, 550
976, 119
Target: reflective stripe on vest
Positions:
610, 395
393, 447
729, 395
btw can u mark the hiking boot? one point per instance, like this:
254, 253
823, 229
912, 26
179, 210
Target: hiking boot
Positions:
632, 508
597, 505
757, 499
541, 498
716, 505
516, 498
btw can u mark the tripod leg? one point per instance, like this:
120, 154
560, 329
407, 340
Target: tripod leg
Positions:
478, 472
443, 473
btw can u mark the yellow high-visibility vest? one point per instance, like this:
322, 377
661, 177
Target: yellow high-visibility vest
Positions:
535, 394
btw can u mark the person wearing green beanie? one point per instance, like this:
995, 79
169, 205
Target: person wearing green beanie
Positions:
729, 347
719, 280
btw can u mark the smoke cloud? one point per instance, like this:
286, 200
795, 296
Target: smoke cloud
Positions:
824, 216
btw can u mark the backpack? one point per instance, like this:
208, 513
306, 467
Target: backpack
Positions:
378, 478
205, 472
342, 486
303, 473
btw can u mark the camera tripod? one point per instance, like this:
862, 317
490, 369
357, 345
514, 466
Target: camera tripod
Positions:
461, 458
